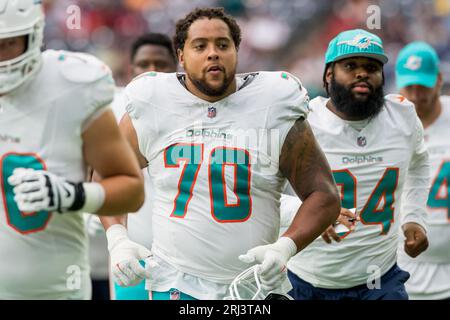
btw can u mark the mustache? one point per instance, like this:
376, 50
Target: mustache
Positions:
214, 66
354, 84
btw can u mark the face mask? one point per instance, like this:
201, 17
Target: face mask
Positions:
15, 72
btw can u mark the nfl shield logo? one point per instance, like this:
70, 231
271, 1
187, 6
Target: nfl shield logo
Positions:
211, 112
174, 294
361, 141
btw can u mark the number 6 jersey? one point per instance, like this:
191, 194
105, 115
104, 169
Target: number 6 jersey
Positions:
214, 167
43, 254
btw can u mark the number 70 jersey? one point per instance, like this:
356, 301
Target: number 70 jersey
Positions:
214, 166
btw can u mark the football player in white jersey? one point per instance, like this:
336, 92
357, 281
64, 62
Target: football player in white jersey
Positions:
217, 187
54, 122
419, 80
151, 52
374, 144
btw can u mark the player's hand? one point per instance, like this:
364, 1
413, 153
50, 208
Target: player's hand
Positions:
347, 218
125, 255
37, 190
273, 259
416, 240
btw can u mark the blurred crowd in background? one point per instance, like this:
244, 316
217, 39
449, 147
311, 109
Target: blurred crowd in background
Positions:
287, 35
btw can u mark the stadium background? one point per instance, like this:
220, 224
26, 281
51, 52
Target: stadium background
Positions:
277, 34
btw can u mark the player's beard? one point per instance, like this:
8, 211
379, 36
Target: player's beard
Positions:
344, 101
203, 87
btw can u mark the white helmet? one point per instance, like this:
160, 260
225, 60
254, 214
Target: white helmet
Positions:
247, 286
18, 18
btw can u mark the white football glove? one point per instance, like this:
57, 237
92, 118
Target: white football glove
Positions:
273, 258
125, 255
37, 190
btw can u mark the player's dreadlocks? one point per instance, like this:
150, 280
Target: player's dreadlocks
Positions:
183, 25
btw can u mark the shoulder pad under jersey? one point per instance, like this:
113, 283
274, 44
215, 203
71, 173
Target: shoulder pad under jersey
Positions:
81, 67
398, 100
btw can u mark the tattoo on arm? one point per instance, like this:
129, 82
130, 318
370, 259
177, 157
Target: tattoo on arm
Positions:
303, 163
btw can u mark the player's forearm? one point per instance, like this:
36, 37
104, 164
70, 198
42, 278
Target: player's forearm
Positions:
304, 164
415, 190
109, 221
123, 194
318, 211
414, 201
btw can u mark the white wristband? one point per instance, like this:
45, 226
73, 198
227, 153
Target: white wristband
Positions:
95, 197
115, 234
287, 245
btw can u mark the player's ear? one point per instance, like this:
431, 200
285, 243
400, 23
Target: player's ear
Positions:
180, 56
329, 74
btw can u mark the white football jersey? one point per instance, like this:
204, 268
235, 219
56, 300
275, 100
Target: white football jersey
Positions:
139, 224
44, 254
119, 103
214, 167
370, 165
430, 271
